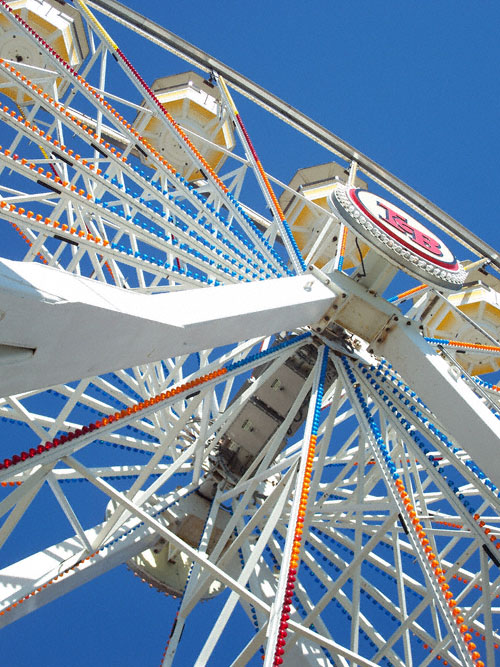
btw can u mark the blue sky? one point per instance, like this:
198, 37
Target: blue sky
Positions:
414, 86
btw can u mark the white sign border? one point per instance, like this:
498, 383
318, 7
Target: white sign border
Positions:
395, 252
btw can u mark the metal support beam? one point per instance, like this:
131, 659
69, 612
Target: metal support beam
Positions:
461, 413
219, 574
43, 309
37, 573
398, 339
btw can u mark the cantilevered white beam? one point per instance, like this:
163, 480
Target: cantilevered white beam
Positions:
56, 327
460, 412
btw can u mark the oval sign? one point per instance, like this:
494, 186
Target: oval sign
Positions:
405, 241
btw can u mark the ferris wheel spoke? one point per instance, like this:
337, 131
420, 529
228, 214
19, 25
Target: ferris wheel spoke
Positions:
309, 652
277, 506
298, 512
415, 536
271, 200
19, 509
74, 162
450, 459
152, 102
83, 437
45, 576
445, 493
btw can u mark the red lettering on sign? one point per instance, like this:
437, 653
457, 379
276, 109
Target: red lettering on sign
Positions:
399, 222
427, 242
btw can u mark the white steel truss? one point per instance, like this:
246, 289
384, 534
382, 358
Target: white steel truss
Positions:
159, 319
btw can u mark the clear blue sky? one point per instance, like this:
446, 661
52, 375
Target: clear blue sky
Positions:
412, 85
415, 86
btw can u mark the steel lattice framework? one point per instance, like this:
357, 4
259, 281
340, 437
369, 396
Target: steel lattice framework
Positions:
280, 434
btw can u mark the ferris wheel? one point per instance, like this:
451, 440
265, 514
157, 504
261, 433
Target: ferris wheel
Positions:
282, 406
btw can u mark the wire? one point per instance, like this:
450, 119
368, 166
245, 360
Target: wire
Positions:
360, 256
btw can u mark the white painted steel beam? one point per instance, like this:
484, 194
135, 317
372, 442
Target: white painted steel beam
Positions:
35, 571
214, 570
56, 327
43, 309
459, 410
398, 339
